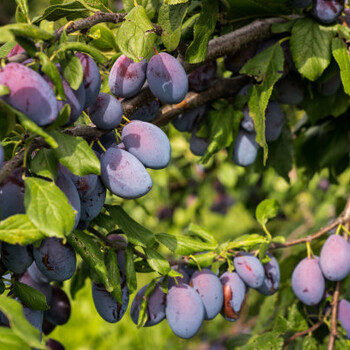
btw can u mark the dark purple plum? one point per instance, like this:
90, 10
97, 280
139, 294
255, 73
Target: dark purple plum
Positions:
247, 122
198, 145
124, 175
209, 287
106, 112
91, 205
234, 291
301, 3
335, 258
2, 155
55, 260
250, 269
127, 77
60, 307
34, 317
308, 282
17, 49
272, 277
235, 62
53, 344
330, 86
67, 186
155, 306
106, 305
290, 89
344, 315
147, 112
166, 78
188, 119
120, 253
30, 93
184, 311
43, 287
48, 327
148, 143
246, 148
12, 195
200, 79
274, 120
92, 78
327, 11
15, 257
174, 281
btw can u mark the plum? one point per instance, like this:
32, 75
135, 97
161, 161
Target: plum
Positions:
43, 287
16, 258
200, 79
147, 112
188, 119
53, 344
249, 269
327, 11
274, 120
344, 315
246, 148
60, 307
272, 277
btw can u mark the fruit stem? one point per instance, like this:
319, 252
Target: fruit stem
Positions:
309, 251
100, 144
124, 117
155, 50
196, 261
345, 230
337, 232
268, 234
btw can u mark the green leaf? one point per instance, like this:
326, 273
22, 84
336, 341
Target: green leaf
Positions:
282, 162
96, 4
150, 6
267, 209
76, 154
62, 118
157, 261
310, 343
48, 208
81, 47
143, 316
8, 32
50, 69
130, 269
6, 48
23, 5
175, 2
58, 11
7, 121
267, 341
296, 320
310, 45
73, 71
266, 313
201, 232
183, 245
113, 274
135, 37
245, 242
104, 38
136, 233
4, 90
19, 229
30, 296
29, 124
266, 67
18, 323
282, 27
44, 164
78, 280
104, 221
203, 260
170, 18
10, 341
341, 55
203, 30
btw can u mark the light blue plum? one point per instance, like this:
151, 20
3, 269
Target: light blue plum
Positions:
249, 269
245, 149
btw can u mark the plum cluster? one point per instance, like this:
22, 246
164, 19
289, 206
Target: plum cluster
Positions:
201, 295
310, 275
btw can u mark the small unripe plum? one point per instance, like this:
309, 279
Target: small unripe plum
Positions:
127, 77
308, 282
166, 78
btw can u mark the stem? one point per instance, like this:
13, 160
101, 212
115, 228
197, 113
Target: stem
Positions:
308, 248
100, 144
268, 234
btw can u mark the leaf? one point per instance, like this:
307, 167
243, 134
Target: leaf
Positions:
143, 316
19, 229
175, 2
245, 241
136, 233
130, 269
62, 118
58, 11
266, 67
203, 260
23, 5
6, 48
170, 18
104, 221
50, 69
81, 47
157, 261
204, 234
282, 162
29, 124
203, 29
104, 38
267, 209
266, 313
113, 274
341, 55
10, 341
150, 6
135, 37
75, 154
30, 296
96, 4
9, 31
310, 45
183, 245
73, 71
296, 320
282, 27
78, 280
48, 208
4, 90
7, 121
18, 323
44, 164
